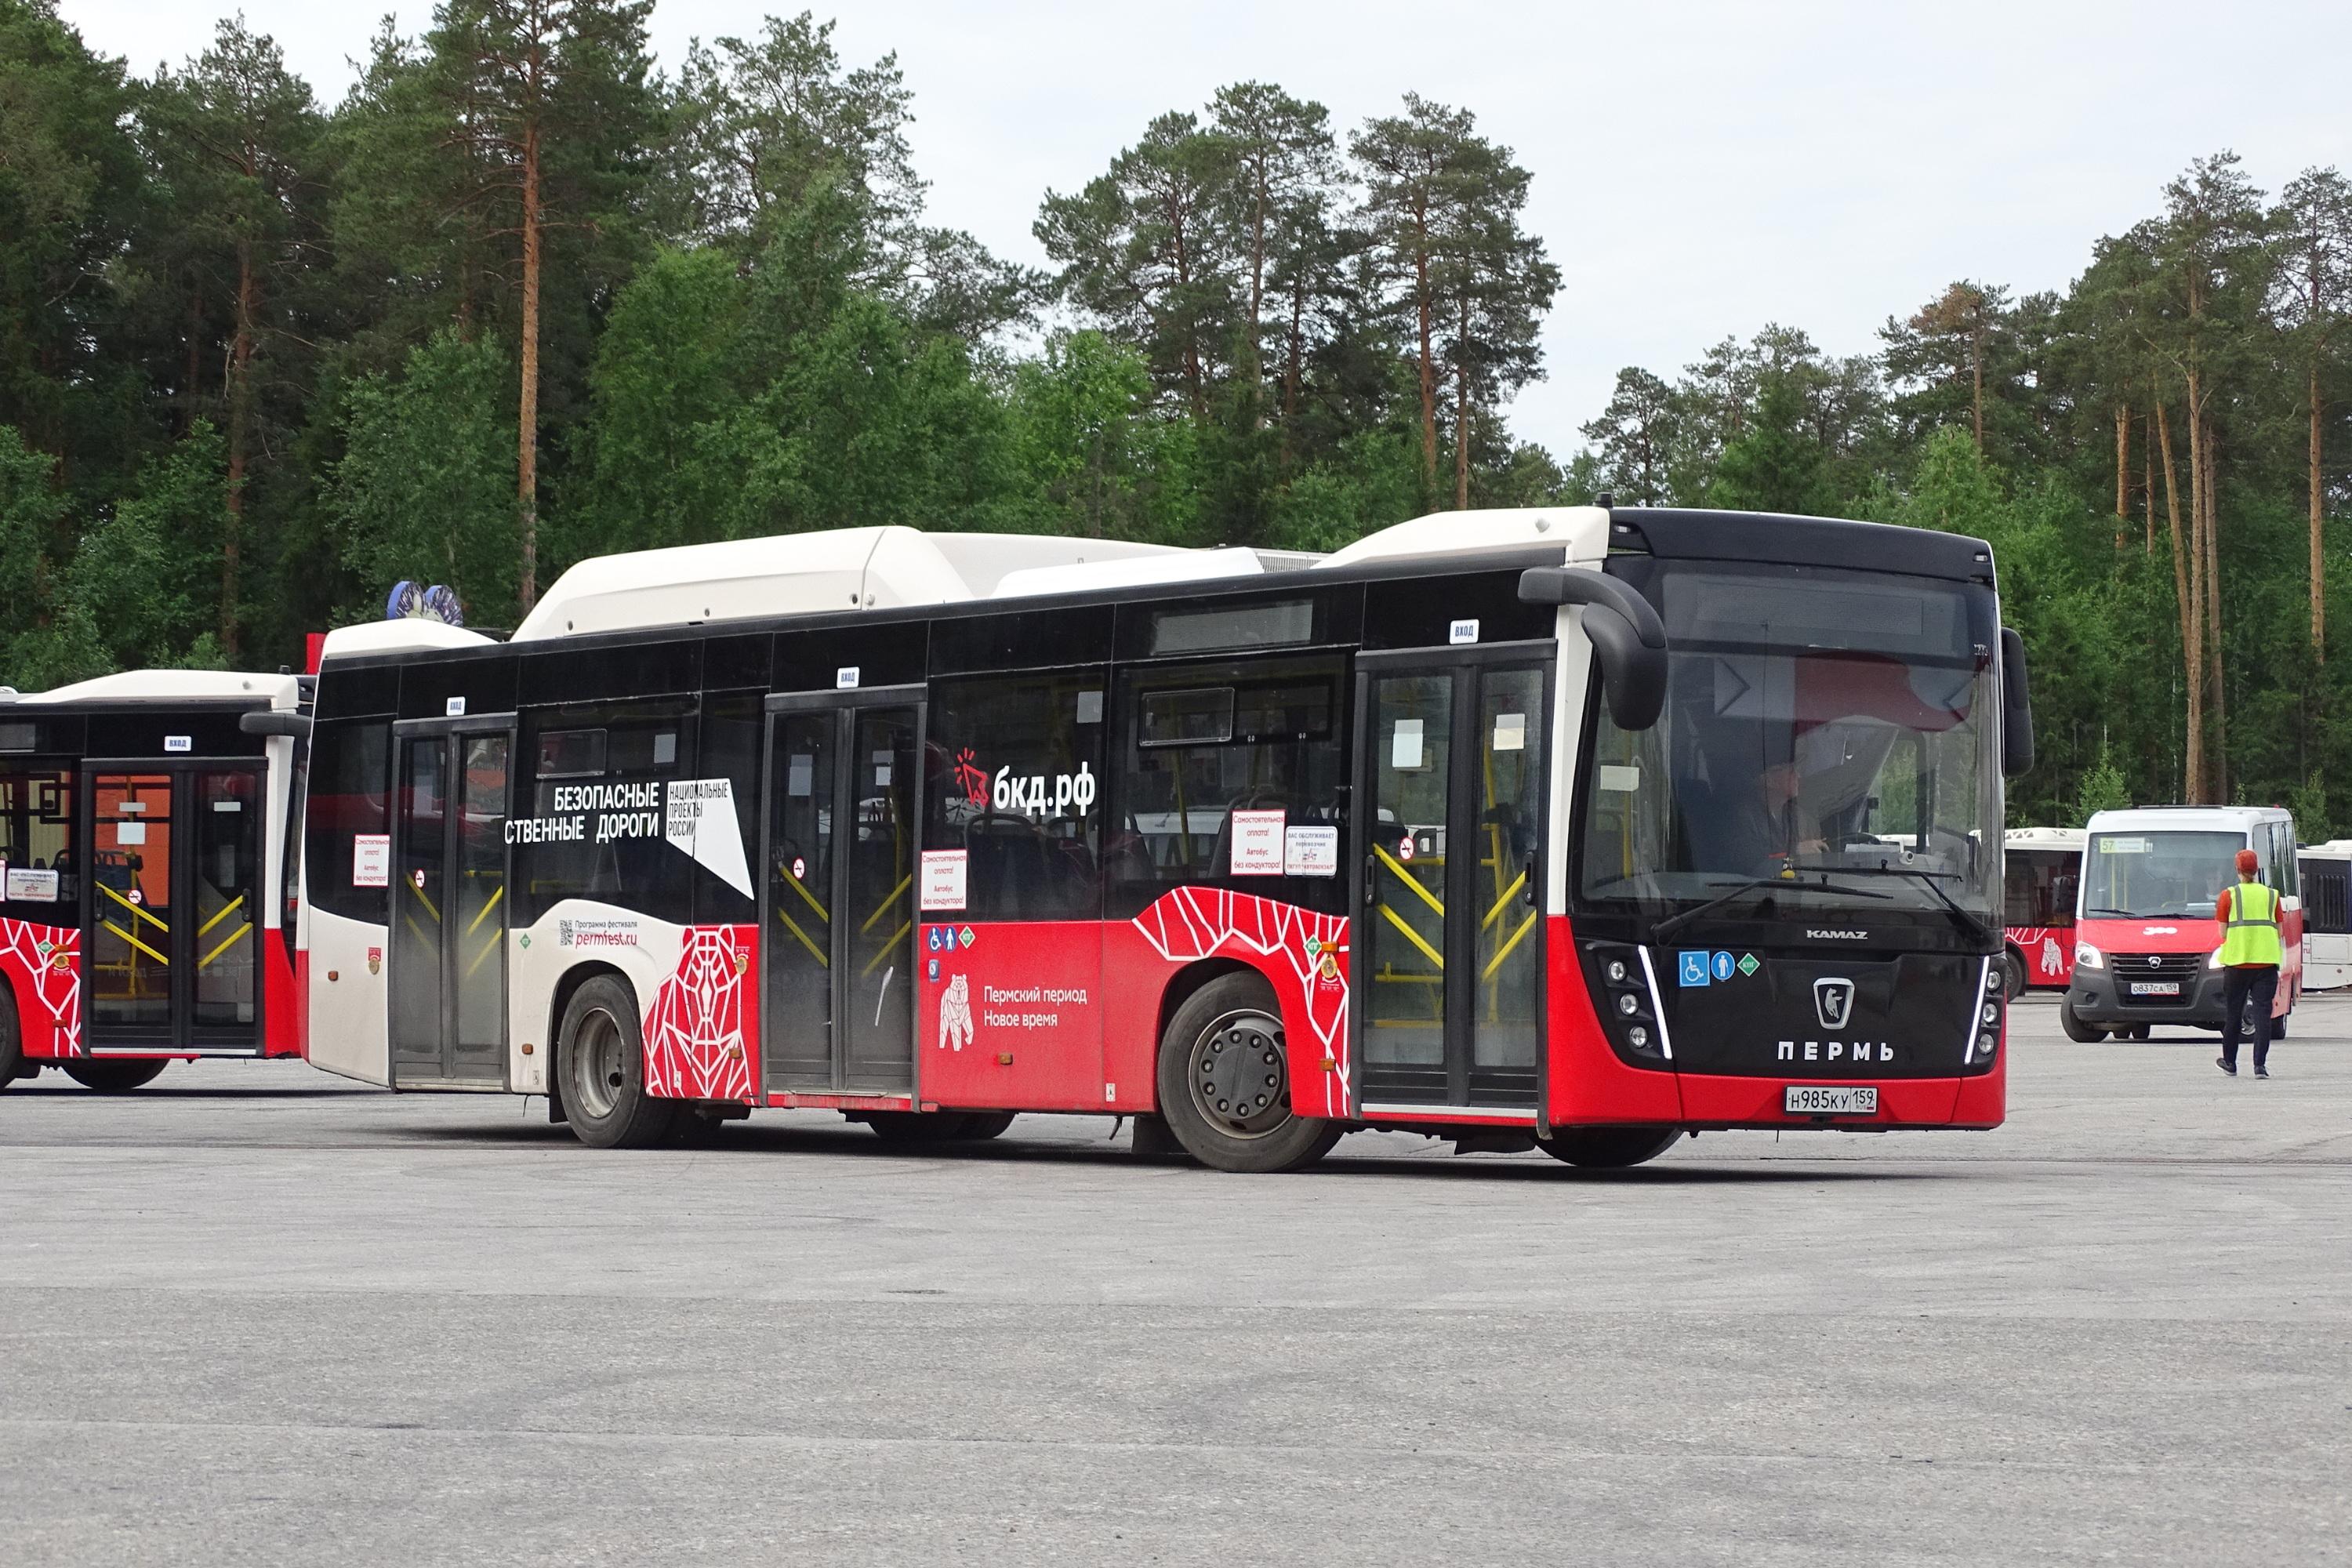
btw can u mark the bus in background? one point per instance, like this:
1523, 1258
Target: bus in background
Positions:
1562, 828
2146, 950
143, 877
2325, 873
2041, 866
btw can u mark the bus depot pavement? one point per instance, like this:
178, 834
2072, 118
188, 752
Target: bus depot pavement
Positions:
255, 1313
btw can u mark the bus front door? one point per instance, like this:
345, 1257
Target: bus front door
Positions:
174, 908
449, 975
1448, 962
837, 898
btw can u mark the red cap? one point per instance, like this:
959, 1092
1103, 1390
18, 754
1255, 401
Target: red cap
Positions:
2249, 862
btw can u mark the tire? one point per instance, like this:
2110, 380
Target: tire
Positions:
601, 1057
2278, 1028
2012, 979
1224, 1083
1608, 1148
925, 1129
2137, 1032
12, 1050
115, 1076
2076, 1030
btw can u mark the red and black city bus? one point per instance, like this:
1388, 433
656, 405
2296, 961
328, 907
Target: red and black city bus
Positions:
1571, 827
145, 826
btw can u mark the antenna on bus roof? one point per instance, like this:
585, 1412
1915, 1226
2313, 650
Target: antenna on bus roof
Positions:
1604, 500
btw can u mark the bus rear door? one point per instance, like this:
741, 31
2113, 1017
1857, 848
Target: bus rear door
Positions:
1448, 963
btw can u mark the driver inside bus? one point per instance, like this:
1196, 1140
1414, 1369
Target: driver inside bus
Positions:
1770, 828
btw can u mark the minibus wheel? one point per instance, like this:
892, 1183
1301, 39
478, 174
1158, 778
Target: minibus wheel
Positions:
1608, 1148
12, 1050
1224, 1081
2078, 1031
602, 1059
112, 1077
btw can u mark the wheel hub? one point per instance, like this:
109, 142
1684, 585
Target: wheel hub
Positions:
1240, 1079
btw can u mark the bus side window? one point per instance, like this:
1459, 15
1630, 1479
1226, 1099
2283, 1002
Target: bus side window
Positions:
1015, 765
37, 846
1199, 743
349, 795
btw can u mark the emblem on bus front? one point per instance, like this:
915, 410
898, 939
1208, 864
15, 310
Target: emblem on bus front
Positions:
1833, 1001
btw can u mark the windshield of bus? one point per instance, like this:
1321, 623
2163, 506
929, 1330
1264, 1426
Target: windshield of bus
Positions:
1840, 726
2145, 876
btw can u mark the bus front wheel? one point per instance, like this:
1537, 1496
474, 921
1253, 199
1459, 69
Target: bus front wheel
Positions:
2078, 1030
1224, 1081
1608, 1148
602, 1063
112, 1077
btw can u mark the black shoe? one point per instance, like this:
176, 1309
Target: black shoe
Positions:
2261, 1072
2226, 1066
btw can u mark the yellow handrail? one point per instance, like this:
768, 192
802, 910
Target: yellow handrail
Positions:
1407, 878
816, 951
426, 901
135, 942
1505, 901
885, 948
219, 915
140, 910
1505, 951
231, 941
879, 910
477, 923
798, 887
1413, 937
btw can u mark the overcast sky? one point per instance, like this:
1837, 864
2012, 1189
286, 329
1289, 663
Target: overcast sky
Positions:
1700, 169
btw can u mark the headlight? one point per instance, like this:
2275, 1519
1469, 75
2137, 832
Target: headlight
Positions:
1992, 1013
1987, 1044
2088, 957
1638, 1038
2213, 960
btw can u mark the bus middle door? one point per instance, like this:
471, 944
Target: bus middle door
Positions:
837, 897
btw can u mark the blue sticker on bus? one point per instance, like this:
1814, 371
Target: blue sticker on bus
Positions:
1722, 966
1693, 967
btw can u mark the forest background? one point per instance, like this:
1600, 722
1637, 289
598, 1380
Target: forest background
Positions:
519, 297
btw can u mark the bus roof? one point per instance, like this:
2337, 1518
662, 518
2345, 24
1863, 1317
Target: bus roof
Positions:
136, 687
2185, 818
2045, 838
895, 567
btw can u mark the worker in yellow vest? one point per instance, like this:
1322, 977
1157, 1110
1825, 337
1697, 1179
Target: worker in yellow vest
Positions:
2251, 954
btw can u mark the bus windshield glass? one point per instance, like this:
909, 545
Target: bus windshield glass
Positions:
2145, 876
1842, 726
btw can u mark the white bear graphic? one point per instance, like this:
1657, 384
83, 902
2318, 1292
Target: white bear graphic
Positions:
2054, 957
955, 1015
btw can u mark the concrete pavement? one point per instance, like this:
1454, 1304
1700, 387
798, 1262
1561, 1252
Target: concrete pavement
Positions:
253, 1313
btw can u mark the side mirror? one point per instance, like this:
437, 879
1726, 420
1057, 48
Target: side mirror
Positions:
275, 722
1625, 631
2016, 707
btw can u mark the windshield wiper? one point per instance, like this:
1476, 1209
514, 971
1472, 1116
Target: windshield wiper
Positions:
1665, 929
1933, 882
2125, 914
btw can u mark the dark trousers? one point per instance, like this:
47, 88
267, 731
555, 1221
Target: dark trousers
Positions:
2248, 989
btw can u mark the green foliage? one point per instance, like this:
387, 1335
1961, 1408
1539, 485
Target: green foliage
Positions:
238, 317
425, 487
2103, 788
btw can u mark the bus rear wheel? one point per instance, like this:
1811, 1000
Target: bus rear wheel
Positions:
12, 1050
1608, 1147
2012, 972
2078, 1030
601, 1060
113, 1077
1224, 1083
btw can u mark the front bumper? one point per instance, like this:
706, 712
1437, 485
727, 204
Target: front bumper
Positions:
2095, 999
